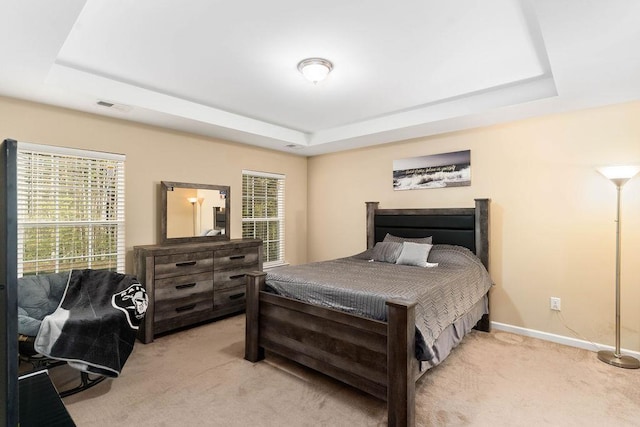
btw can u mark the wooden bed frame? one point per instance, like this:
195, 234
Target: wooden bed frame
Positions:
374, 356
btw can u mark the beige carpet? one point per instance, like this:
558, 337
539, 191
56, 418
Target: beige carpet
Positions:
198, 377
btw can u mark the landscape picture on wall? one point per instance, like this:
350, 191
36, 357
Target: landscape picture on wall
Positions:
435, 171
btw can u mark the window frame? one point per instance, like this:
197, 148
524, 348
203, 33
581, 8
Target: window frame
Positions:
280, 180
94, 180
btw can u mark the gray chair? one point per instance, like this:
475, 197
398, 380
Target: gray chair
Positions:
39, 296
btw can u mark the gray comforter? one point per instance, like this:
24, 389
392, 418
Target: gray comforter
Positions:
359, 286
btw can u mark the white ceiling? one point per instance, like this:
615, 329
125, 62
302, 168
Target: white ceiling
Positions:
401, 69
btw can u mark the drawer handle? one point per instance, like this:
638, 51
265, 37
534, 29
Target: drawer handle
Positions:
185, 308
186, 264
236, 296
237, 276
237, 257
185, 286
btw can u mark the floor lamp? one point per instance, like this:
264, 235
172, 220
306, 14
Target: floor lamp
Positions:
193, 201
619, 175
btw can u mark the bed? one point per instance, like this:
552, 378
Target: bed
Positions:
379, 356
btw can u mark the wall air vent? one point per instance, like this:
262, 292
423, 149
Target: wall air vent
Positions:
120, 107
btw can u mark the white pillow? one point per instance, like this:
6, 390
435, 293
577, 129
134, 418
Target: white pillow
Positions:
414, 254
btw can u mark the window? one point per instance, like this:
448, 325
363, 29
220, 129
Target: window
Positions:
263, 213
70, 209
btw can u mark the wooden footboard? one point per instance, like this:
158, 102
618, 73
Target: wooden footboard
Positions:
373, 356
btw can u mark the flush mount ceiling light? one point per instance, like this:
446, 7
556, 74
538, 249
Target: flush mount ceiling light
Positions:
315, 69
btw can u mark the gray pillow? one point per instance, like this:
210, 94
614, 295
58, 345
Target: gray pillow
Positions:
422, 240
414, 254
386, 252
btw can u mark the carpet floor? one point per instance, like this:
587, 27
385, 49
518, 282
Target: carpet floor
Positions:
198, 377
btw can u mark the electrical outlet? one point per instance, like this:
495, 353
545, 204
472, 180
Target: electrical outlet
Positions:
554, 303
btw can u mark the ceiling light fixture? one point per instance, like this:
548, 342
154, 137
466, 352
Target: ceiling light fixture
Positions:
315, 69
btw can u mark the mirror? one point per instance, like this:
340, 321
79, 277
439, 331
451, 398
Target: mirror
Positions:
194, 212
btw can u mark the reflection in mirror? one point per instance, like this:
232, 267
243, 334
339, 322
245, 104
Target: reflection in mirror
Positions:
194, 212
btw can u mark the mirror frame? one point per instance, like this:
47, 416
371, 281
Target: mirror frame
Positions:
165, 186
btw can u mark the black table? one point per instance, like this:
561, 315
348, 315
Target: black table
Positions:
40, 404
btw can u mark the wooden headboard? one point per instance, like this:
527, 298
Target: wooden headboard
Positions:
468, 227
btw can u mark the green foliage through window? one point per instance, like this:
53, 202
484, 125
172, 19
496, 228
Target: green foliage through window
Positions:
263, 213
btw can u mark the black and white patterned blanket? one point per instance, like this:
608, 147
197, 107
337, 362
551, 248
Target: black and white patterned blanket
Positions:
94, 327
443, 294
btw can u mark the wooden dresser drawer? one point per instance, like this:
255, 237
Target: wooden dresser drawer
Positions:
181, 264
230, 297
226, 279
230, 258
230, 288
183, 286
171, 314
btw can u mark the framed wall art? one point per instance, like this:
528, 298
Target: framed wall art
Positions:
433, 171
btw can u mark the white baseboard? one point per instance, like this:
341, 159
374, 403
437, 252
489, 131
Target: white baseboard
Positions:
573, 342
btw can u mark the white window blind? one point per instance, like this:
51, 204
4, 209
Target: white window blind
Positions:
70, 209
263, 213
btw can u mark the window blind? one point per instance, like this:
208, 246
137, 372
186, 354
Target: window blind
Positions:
263, 213
71, 209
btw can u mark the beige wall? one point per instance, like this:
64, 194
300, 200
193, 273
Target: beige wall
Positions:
552, 215
181, 214
155, 155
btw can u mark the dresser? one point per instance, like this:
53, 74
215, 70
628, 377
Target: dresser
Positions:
189, 283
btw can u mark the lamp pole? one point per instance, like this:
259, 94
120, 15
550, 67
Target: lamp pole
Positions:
617, 352
193, 201
200, 200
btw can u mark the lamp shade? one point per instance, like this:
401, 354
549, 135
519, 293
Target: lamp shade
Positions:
619, 175
315, 69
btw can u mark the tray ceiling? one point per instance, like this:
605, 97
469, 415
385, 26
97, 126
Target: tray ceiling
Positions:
401, 70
